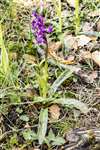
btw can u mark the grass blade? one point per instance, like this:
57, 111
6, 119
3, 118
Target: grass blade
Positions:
4, 54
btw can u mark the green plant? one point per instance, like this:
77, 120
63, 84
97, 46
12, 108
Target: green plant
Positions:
13, 9
4, 65
29, 135
42, 78
42, 127
57, 5
50, 139
54, 140
40, 31
62, 77
77, 17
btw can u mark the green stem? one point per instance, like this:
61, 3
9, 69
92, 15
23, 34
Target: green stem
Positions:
77, 18
46, 71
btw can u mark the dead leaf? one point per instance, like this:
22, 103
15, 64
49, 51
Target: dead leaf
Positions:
32, 148
25, 3
85, 55
37, 3
71, 3
93, 75
13, 55
30, 93
86, 76
93, 38
27, 125
98, 26
52, 50
55, 46
70, 42
72, 137
87, 27
96, 57
83, 76
54, 112
94, 13
97, 92
16, 148
83, 40
30, 59
71, 58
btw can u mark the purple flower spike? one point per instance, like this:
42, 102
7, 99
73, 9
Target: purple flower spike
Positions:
39, 29
34, 14
50, 29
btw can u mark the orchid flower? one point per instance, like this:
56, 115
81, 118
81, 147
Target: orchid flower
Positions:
39, 28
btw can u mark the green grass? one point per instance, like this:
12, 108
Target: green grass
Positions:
4, 55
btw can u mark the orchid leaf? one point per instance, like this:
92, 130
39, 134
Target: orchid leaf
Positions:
72, 103
65, 75
43, 120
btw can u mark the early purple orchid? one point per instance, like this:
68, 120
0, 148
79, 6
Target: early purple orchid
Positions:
39, 28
